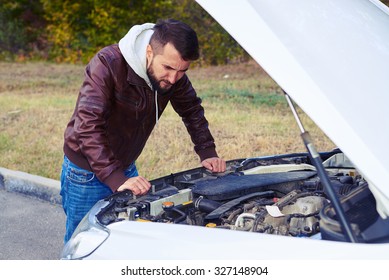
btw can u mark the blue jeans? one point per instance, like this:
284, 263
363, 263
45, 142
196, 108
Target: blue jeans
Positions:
80, 190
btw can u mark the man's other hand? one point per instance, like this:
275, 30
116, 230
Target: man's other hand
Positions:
214, 164
138, 185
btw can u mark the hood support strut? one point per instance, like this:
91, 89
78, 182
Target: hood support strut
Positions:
317, 162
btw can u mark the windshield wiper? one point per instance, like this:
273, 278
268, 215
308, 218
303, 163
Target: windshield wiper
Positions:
317, 162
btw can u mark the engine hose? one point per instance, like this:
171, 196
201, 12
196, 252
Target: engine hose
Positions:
240, 220
218, 212
181, 213
259, 217
233, 215
206, 205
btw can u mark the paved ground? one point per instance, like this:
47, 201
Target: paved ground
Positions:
30, 228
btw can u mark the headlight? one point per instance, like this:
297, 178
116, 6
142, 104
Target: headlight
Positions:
87, 237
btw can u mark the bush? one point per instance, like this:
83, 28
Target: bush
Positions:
73, 31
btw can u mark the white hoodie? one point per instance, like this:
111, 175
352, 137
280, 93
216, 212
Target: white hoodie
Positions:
133, 47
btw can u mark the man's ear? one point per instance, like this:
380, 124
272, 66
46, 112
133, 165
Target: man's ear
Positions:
149, 55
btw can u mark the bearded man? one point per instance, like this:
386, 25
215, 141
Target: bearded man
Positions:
126, 88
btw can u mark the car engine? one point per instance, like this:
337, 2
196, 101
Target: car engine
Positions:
274, 195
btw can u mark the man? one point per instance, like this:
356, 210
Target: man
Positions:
126, 88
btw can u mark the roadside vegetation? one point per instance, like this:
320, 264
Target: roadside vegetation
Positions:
73, 31
246, 110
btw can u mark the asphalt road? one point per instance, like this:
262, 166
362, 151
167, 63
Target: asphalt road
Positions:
30, 228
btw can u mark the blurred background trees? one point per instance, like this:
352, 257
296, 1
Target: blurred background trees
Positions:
72, 31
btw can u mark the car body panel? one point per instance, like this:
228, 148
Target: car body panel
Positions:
158, 241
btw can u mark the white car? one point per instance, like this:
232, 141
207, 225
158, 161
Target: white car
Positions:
331, 57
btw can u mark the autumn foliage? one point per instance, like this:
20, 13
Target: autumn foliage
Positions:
72, 31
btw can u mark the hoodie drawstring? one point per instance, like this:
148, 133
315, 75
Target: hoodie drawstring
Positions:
156, 108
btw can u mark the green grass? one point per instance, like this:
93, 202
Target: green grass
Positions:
246, 110
269, 99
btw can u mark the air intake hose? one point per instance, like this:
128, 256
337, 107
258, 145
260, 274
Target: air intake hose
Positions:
206, 205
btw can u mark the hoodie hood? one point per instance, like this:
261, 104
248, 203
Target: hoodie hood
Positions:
133, 47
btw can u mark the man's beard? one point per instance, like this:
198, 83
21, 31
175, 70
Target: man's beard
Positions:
155, 83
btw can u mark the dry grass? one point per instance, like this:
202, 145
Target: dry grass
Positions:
247, 116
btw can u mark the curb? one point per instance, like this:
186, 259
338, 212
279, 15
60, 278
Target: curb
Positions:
32, 185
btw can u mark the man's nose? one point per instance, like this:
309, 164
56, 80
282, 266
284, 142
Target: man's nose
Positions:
173, 76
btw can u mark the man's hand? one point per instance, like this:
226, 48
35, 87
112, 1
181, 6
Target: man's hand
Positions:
214, 164
138, 185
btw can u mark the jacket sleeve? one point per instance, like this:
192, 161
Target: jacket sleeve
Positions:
188, 105
93, 109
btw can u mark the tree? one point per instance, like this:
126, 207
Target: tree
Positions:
21, 28
73, 31
77, 30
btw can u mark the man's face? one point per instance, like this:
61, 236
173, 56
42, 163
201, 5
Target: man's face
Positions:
165, 69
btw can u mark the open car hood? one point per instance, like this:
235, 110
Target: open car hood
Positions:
332, 58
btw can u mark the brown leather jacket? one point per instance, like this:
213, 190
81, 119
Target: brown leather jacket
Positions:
116, 112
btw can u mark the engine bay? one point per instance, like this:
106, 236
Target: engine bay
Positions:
279, 195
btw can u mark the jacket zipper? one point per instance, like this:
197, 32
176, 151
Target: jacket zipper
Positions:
137, 110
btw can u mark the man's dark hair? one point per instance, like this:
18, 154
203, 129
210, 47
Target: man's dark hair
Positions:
180, 35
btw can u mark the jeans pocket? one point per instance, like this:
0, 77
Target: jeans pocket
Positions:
79, 176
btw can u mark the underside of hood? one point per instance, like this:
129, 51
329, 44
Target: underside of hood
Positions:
332, 58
